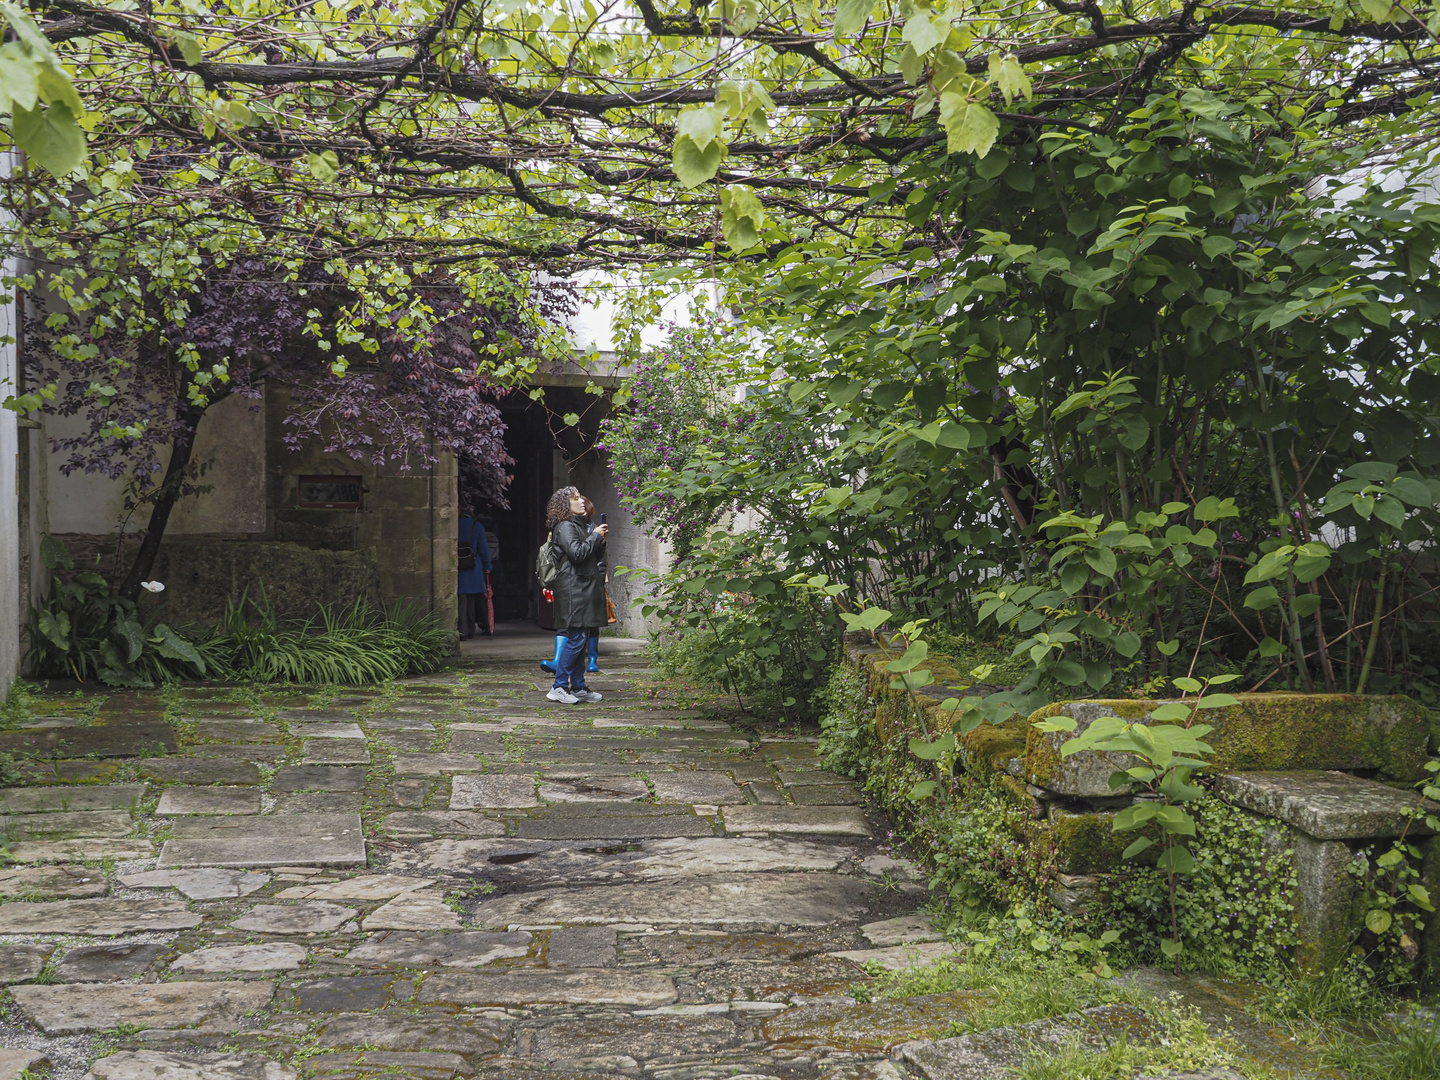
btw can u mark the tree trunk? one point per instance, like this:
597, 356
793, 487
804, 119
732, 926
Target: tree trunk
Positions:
181, 450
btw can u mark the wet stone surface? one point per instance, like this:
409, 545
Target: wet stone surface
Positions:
453, 878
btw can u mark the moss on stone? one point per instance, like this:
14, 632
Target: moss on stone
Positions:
1266, 732
1087, 843
995, 744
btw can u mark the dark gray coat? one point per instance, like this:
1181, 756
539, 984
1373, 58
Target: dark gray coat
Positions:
580, 588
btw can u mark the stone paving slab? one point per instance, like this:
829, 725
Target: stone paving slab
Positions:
326, 731
318, 778
115, 739
35, 800
899, 957
612, 827
236, 730
415, 823
818, 899
413, 911
107, 963
69, 882
594, 789
600, 986
492, 792
208, 800
436, 764
78, 1008
60, 823
365, 887
203, 884
271, 956
201, 771
13, 1063
266, 840
64, 851
466, 949
1327, 805
163, 1065
310, 917
334, 752
711, 789
100, 918
20, 963
478, 1035
816, 820
318, 802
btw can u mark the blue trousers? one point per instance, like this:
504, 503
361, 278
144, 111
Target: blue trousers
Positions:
570, 672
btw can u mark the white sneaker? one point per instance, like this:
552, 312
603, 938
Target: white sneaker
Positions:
587, 695
560, 694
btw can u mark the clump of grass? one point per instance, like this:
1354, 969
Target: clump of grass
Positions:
1409, 1052
364, 643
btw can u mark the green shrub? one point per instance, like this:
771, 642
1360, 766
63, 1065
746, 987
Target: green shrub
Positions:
83, 631
361, 644
845, 716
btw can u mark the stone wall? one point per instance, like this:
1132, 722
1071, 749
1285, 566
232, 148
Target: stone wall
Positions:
1326, 776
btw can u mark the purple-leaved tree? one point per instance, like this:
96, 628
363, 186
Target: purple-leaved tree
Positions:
420, 388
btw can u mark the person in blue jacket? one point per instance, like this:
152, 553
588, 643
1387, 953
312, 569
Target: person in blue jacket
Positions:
474, 582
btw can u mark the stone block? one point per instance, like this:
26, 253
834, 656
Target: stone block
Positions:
118, 738
36, 800
1326, 805
492, 792
97, 918
21, 963
106, 963
159, 1065
405, 524
77, 1008
1264, 732
318, 778
812, 820
579, 986
1085, 843
208, 800
87, 823
70, 882
14, 1063
266, 840
1331, 900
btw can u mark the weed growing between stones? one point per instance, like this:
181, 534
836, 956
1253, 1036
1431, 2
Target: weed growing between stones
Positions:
1410, 1051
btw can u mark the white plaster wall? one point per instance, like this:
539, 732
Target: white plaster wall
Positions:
231, 440
592, 327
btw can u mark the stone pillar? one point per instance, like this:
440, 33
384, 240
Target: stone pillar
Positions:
1330, 900
444, 532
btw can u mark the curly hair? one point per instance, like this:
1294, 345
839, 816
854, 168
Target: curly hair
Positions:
558, 508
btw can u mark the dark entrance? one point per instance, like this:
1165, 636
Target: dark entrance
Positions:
543, 461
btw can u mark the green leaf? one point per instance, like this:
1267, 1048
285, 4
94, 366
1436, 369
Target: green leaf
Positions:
928, 751
1171, 948
50, 136
969, 126
1263, 599
923, 31
1069, 672
869, 619
1391, 511
1178, 860
742, 219
19, 77
1143, 844
1101, 560
912, 65
189, 48
694, 165
1167, 648
1009, 75
1306, 605
324, 166
1270, 647
923, 790
1383, 11
1378, 920
1212, 509
55, 554
701, 125
850, 16
912, 658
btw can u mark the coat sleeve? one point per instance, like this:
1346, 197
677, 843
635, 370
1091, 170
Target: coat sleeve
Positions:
482, 547
576, 542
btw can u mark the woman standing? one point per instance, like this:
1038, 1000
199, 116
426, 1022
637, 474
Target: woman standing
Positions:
471, 581
579, 589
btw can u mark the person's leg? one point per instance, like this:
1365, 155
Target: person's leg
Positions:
570, 671
553, 666
467, 615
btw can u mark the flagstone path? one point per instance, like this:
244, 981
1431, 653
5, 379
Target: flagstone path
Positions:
458, 878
